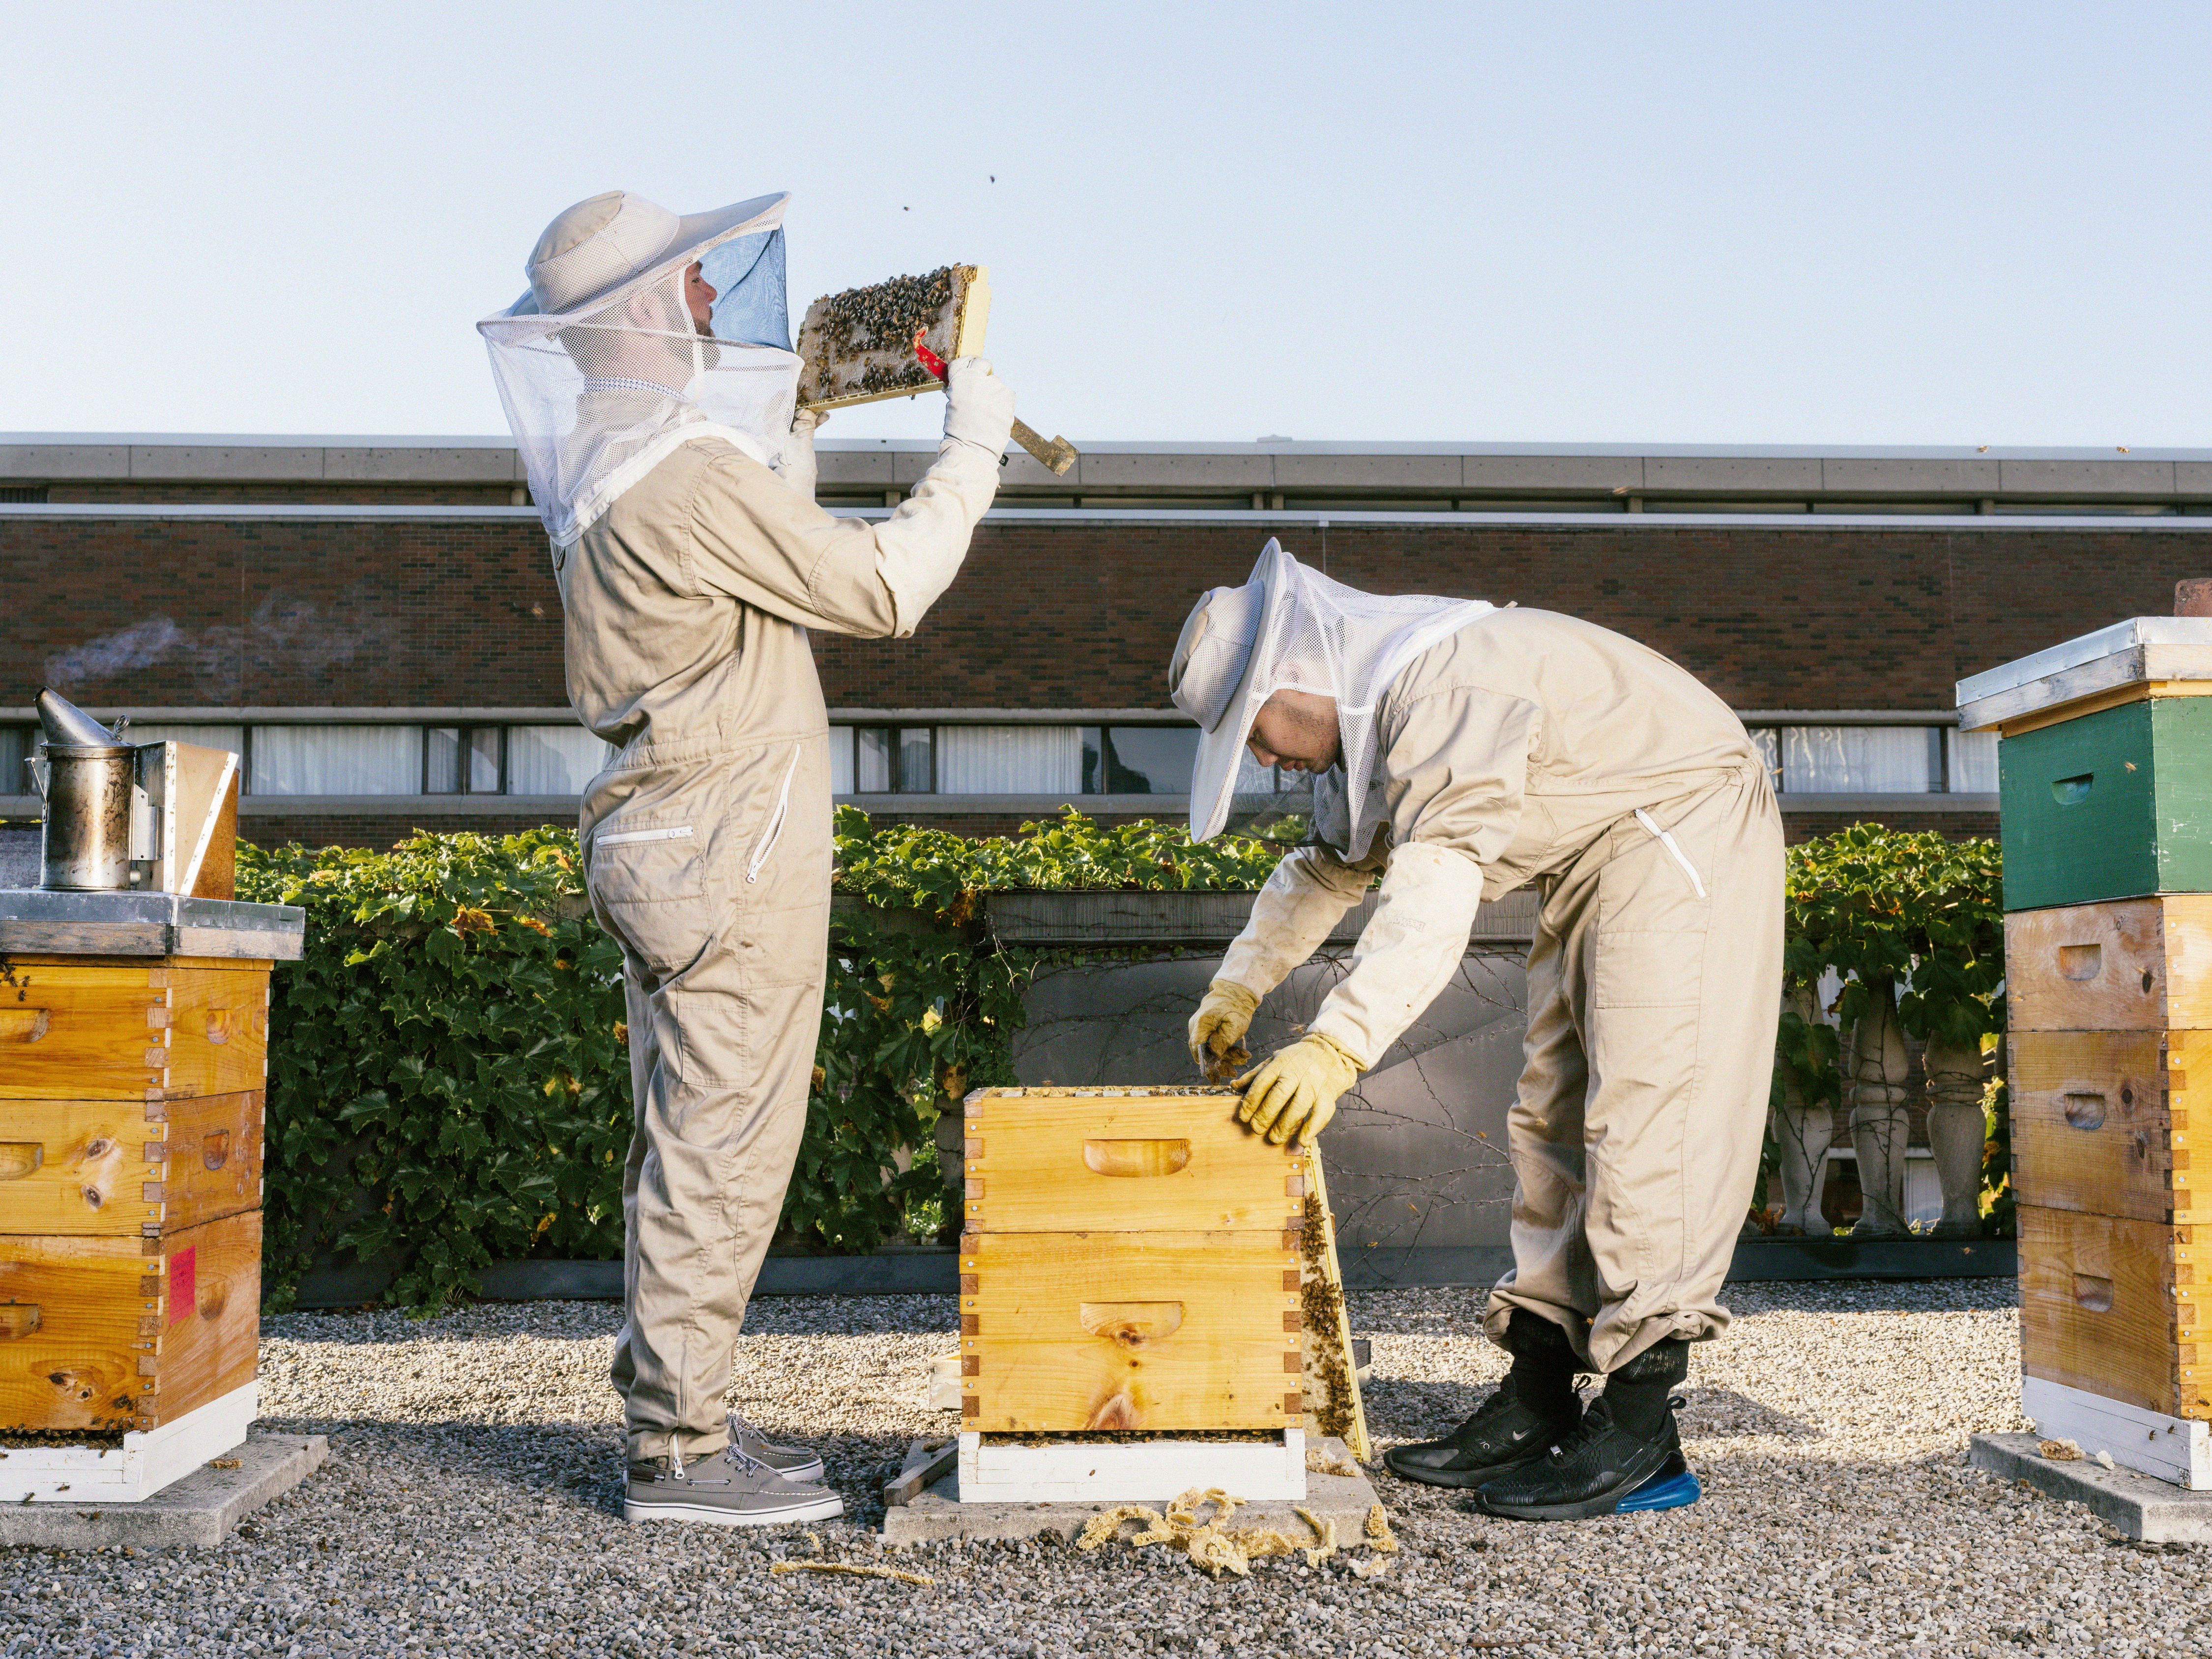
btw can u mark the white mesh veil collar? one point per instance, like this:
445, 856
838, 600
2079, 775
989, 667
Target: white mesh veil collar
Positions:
598, 392
1301, 631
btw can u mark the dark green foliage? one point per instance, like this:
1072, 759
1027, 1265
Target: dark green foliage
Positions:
448, 1077
1899, 907
450, 1047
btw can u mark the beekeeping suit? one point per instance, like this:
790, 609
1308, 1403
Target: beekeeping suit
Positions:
692, 560
1482, 750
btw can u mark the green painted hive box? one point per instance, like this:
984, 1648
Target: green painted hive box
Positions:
2112, 805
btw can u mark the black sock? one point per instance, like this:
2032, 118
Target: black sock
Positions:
1636, 1394
1544, 1364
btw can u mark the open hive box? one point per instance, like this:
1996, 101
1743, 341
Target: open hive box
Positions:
1138, 1269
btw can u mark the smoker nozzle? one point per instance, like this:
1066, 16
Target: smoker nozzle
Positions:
67, 724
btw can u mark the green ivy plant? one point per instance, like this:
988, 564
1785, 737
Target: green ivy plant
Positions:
449, 1078
447, 1066
1898, 909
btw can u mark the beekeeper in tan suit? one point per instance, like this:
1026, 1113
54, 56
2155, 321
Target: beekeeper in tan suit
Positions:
649, 383
1461, 751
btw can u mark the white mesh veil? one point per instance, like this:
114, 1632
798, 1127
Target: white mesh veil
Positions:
598, 390
1316, 634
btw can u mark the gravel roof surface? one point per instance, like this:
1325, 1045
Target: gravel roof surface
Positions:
471, 1506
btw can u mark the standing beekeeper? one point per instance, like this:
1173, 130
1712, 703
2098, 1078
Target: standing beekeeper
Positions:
649, 380
1461, 751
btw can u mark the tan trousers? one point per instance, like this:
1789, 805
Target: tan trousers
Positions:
721, 904
1636, 1136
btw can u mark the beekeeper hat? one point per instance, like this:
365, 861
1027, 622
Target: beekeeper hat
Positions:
612, 242
1213, 679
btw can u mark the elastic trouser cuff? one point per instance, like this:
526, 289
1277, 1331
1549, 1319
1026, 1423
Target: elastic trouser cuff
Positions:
645, 1445
1662, 1365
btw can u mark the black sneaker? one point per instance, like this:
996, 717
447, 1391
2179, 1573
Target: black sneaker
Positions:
1505, 1433
1599, 1469
728, 1489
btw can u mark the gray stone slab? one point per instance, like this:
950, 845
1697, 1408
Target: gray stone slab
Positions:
89, 460
2064, 477
1436, 472
1719, 472
1919, 476
201, 1509
2138, 1505
1244, 471
1552, 472
939, 1513
419, 464
1113, 918
226, 461
148, 924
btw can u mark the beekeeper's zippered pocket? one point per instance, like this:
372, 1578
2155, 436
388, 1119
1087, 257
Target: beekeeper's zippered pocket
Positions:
775, 821
1667, 839
624, 837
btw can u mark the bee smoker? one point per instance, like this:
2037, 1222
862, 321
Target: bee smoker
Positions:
85, 777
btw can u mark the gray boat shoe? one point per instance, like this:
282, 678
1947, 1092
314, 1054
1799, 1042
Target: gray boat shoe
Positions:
729, 1489
791, 1463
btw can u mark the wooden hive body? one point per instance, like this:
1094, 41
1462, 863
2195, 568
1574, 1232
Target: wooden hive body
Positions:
2110, 1051
1132, 1261
131, 1173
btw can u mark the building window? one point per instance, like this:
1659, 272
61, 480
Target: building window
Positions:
1974, 762
337, 760
1862, 760
1010, 760
555, 760
889, 760
1148, 760
16, 743
463, 760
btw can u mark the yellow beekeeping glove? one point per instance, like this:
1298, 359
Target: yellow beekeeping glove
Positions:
1294, 1091
1220, 1023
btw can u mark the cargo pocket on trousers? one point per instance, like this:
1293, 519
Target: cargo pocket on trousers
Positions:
648, 883
1635, 969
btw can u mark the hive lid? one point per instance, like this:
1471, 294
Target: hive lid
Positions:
36, 920
2138, 652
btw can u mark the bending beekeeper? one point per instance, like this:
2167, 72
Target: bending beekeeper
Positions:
649, 380
1461, 751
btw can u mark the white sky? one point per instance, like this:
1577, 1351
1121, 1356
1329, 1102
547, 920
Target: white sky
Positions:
1755, 223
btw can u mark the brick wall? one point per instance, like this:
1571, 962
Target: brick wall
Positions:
1052, 616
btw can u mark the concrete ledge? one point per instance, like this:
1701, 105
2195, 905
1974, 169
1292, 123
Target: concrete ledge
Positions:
199, 1510
2137, 1505
931, 1270
926, 1269
1760, 1258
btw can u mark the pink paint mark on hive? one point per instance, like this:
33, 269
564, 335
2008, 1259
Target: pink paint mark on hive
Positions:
184, 1283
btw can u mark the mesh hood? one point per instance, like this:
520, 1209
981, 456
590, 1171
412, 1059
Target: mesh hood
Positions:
598, 394
1316, 634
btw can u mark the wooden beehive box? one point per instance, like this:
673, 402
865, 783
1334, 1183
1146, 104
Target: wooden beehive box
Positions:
1132, 1261
2105, 793
2111, 1048
122, 1332
133, 1057
130, 1147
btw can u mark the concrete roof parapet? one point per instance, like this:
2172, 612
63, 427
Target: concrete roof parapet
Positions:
1910, 476
64, 461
